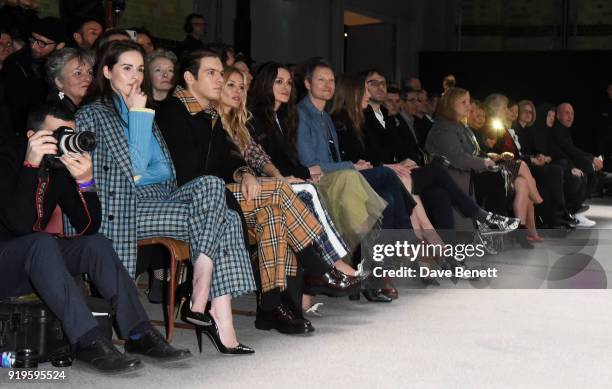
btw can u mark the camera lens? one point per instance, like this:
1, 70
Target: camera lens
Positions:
26, 359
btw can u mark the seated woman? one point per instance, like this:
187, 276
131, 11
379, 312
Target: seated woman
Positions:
69, 73
500, 143
549, 177
353, 206
234, 115
450, 138
284, 228
162, 66
137, 188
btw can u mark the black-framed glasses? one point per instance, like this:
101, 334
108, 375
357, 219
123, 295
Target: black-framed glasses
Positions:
42, 44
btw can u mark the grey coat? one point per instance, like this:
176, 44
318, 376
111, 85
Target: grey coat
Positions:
457, 143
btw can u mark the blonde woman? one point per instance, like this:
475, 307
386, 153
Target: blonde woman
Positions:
503, 146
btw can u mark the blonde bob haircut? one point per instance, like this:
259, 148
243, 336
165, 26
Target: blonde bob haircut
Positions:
524, 104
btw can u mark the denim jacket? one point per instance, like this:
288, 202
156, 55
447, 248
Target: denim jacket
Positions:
313, 138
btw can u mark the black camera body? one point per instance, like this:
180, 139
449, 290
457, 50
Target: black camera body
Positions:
70, 141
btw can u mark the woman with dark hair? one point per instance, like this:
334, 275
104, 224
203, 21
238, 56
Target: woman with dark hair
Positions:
357, 144
353, 206
137, 187
274, 127
69, 73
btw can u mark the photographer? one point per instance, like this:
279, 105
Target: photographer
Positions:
34, 260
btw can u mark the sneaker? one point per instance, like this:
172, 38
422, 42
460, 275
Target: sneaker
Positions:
583, 221
497, 224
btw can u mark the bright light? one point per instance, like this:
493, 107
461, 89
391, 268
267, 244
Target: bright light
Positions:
497, 124
346, 34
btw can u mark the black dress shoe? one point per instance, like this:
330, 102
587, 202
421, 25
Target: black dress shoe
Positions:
212, 331
153, 345
103, 357
283, 320
334, 283
376, 296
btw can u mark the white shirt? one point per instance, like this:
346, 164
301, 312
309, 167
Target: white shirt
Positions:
381, 118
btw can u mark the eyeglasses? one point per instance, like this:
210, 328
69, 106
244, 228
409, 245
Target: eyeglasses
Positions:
377, 83
42, 44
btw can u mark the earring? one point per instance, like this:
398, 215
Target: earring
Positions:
61, 95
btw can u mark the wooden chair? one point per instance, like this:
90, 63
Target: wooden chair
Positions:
179, 254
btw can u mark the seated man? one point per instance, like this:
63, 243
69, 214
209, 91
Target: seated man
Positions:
563, 148
34, 260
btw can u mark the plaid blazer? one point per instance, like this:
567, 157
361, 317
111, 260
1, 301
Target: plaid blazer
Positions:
114, 177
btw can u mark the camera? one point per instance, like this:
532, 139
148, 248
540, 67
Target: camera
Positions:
70, 141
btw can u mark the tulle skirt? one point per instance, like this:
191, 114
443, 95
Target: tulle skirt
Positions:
352, 204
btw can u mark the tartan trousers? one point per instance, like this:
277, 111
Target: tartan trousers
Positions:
283, 225
197, 213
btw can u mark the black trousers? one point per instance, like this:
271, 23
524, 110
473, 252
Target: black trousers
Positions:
387, 185
575, 188
42, 263
490, 191
549, 180
440, 193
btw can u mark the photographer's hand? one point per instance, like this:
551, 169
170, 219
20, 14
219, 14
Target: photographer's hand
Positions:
39, 144
79, 166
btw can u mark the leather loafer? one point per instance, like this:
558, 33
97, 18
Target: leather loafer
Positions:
376, 296
392, 293
103, 357
153, 345
283, 320
334, 283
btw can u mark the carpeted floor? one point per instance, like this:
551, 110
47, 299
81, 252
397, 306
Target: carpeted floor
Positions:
442, 337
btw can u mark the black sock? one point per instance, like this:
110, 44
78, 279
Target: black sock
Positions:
311, 261
88, 338
139, 330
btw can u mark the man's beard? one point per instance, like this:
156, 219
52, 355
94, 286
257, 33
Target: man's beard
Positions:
373, 100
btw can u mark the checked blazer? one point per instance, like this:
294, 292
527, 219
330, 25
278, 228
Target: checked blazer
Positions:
114, 177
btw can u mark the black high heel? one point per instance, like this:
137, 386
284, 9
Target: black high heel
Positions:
212, 331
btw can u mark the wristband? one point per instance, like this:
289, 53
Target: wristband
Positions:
87, 184
27, 164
